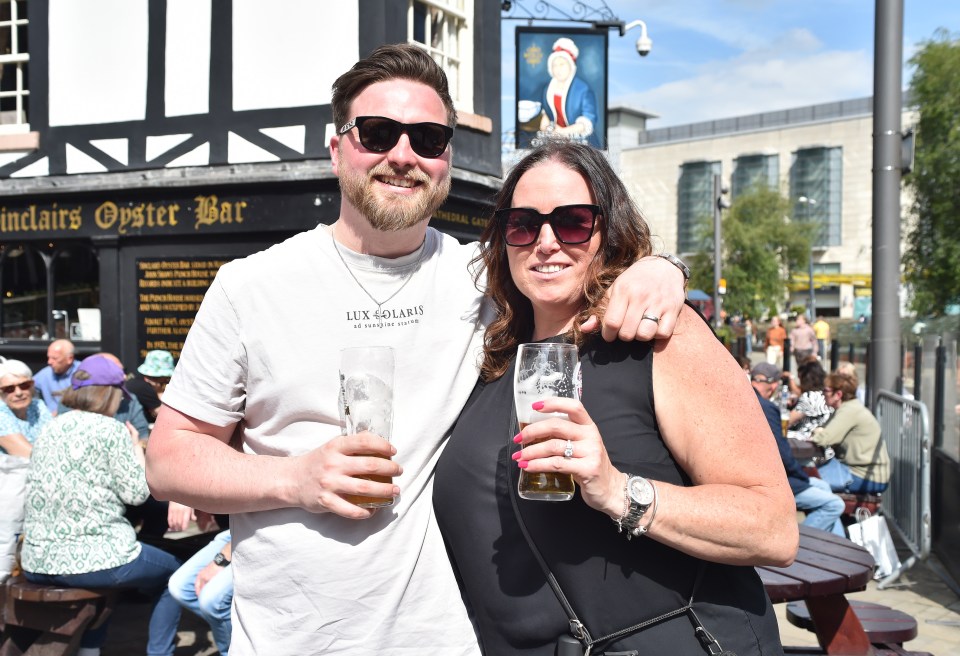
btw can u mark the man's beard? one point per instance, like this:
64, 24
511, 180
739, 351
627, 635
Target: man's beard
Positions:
399, 212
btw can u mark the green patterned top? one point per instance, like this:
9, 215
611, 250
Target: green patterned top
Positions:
82, 470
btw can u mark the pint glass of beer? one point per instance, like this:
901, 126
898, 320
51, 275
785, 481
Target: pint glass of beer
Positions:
544, 370
366, 402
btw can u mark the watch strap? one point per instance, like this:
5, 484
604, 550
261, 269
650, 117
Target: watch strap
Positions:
677, 262
633, 512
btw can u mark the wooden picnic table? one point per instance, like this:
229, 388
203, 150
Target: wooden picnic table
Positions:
804, 449
827, 567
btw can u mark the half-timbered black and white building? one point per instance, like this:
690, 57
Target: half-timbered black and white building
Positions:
145, 142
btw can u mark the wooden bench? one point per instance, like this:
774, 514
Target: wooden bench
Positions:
46, 620
881, 623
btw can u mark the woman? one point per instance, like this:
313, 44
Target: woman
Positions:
703, 447
862, 465
21, 415
85, 466
811, 410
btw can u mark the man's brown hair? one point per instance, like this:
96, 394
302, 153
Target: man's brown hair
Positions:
401, 61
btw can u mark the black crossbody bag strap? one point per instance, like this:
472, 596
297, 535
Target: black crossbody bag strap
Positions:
577, 628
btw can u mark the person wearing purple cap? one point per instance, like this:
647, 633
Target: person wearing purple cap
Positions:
75, 533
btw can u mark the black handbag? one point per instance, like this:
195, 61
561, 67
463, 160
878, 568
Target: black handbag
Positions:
580, 642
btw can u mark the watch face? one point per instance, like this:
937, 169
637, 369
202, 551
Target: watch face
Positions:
641, 491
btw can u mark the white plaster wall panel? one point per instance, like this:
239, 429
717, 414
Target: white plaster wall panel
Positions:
12, 156
292, 136
39, 168
199, 156
79, 162
187, 86
98, 61
118, 149
239, 150
290, 54
157, 146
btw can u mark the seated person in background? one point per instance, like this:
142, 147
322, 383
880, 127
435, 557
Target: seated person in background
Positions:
862, 464
21, 414
53, 379
811, 410
812, 495
74, 530
151, 516
744, 363
154, 375
850, 369
204, 585
130, 409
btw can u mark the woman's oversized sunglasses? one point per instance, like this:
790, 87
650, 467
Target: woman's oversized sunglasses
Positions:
571, 224
25, 386
380, 134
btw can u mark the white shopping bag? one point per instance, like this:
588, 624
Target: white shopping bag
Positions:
872, 533
13, 491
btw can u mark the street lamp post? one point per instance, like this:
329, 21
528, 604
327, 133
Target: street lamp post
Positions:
813, 298
719, 203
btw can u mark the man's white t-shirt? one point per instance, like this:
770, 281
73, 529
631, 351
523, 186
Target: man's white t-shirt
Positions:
265, 350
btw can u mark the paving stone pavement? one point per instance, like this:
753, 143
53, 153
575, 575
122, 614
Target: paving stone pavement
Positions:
919, 591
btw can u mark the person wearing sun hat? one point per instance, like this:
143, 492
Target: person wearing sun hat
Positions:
75, 533
154, 375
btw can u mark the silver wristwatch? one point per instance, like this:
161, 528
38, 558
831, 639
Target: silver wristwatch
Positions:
641, 495
677, 262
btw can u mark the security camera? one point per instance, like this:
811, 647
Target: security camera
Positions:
644, 45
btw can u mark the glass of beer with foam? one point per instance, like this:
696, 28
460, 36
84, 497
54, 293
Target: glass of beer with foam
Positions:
544, 370
366, 403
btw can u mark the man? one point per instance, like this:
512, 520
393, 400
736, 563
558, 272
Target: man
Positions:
862, 465
803, 340
148, 387
55, 377
261, 360
822, 329
773, 342
813, 495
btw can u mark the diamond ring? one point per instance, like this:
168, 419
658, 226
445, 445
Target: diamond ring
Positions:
568, 452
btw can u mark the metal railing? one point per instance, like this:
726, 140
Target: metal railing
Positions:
905, 426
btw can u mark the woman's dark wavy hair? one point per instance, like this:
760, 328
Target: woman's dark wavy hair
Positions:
811, 375
624, 233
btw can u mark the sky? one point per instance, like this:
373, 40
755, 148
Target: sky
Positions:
715, 59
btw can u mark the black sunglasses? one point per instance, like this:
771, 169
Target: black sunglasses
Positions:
380, 134
25, 386
571, 224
